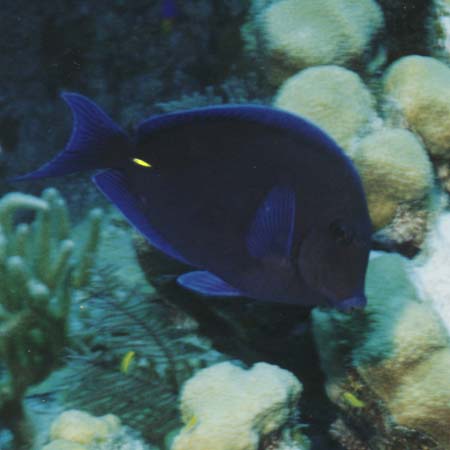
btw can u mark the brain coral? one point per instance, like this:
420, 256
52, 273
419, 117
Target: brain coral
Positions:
333, 98
78, 430
300, 33
226, 407
420, 88
395, 169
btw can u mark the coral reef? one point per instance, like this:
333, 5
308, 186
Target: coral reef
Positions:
228, 408
78, 430
418, 95
332, 97
81, 427
439, 30
233, 90
137, 352
396, 351
406, 232
432, 274
249, 331
295, 34
418, 88
39, 268
395, 170
133, 345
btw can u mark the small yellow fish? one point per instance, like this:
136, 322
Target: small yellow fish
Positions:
191, 424
126, 361
352, 400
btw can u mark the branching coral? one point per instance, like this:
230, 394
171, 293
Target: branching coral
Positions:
37, 273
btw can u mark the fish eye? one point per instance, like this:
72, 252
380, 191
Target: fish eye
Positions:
141, 162
341, 233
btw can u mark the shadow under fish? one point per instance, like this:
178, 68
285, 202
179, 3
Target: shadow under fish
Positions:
263, 203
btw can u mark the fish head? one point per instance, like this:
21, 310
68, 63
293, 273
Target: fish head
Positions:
333, 261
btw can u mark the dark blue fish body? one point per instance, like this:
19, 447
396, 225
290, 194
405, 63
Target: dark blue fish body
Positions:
262, 202
169, 9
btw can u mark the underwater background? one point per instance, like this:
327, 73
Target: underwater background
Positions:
100, 348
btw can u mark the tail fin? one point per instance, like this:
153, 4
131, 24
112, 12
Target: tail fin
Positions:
94, 144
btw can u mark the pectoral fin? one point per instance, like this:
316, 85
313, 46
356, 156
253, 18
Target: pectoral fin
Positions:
271, 232
206, 283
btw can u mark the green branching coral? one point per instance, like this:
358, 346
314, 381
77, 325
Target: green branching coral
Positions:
38, 270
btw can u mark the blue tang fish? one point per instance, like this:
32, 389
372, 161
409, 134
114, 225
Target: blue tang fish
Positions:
260, 201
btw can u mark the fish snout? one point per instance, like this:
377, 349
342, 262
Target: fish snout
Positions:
352, 303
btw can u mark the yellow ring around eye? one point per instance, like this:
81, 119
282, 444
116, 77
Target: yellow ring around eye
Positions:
141, 162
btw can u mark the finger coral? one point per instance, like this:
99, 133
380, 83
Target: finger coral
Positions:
38, 270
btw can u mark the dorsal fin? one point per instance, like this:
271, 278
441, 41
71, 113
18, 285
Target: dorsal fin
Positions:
264, 115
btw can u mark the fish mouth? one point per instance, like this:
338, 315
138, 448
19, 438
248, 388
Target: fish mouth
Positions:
352, 303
